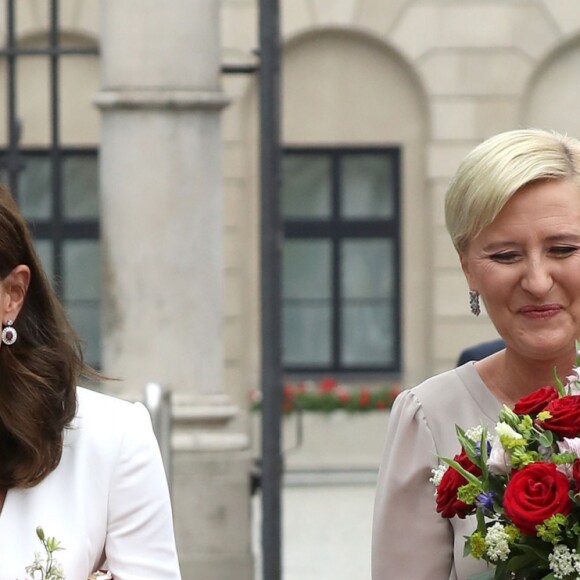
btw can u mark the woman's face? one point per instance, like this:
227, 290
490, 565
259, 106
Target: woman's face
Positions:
526, 267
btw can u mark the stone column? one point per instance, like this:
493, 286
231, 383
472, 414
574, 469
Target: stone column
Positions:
162, 240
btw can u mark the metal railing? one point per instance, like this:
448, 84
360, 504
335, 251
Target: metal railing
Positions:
157, 399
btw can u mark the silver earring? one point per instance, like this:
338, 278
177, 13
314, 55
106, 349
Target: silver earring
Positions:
9, 334
474, 302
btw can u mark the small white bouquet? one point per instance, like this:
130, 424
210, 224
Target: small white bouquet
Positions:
46, 567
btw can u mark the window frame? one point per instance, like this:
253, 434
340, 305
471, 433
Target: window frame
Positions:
57, 228
337, 229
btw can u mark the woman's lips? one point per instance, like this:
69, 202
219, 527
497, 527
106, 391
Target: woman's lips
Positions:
540, 312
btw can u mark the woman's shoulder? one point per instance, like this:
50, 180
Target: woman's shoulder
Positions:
445, 387
452, 396
98, 406
104, 420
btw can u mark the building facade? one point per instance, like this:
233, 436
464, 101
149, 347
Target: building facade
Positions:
137, 139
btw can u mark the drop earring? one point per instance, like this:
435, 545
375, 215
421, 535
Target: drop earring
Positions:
474, 302
9, 334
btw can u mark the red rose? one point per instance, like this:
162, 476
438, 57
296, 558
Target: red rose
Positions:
576, 475
535, 493
535, 402
447, 503
565, 416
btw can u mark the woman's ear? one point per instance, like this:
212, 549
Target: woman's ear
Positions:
14, 287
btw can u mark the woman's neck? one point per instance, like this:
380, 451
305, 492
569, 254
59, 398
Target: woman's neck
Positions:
509, 376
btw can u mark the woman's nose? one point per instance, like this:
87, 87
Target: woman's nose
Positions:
537, 279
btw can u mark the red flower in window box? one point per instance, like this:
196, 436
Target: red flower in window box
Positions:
328, 384
343, 395
364, 398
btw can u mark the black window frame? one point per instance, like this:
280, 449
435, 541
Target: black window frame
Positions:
337, 229
57, 228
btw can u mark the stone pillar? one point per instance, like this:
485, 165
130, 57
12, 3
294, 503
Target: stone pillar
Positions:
162, 240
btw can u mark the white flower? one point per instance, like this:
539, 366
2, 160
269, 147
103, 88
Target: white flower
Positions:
568, 445
496, 543
438, 473
504, 430
573, 385
499, 460
474, 434
563, 561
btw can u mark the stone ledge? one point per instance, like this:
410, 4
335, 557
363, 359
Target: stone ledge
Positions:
203, 413
210, 442
161, 99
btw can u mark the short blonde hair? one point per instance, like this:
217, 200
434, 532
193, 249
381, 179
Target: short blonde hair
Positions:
496, 169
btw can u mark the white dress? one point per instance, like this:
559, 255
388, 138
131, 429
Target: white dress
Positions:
411, 540
108, 498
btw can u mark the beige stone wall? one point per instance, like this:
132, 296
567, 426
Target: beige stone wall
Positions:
436, 77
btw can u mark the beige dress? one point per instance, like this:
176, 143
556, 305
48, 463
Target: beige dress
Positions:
411, 541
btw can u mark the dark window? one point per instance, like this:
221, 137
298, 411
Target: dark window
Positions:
341, 260
53, 178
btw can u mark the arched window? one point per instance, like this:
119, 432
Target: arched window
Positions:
341, 259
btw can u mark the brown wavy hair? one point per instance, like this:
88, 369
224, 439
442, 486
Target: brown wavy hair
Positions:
39, 372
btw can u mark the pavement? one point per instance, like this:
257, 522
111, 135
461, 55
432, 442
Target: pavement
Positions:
326, 526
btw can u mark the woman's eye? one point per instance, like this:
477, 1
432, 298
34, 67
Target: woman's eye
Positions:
563, 250
505, 257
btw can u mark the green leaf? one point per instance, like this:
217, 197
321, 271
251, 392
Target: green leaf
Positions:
501, 571
546, 438
468, 445
559, 384
538, 551
480, 522
469, 476
518, 562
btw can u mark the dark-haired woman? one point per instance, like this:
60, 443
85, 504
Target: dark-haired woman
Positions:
83, 466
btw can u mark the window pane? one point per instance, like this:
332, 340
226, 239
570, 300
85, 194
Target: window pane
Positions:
306, 186
368, 186
82, 292
307, 302
368, 308
81, 186
33, 97
34, 197
44, 251
78, 83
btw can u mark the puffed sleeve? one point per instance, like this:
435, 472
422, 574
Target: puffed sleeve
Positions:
140, 540
410, 539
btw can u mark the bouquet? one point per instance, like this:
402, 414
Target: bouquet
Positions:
47, 567
523, 485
